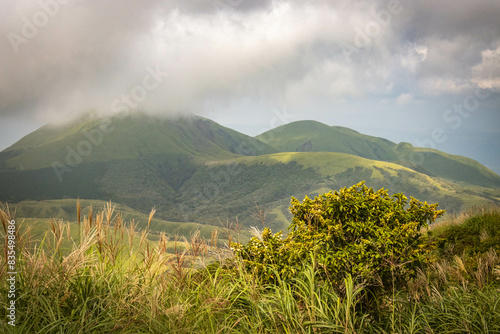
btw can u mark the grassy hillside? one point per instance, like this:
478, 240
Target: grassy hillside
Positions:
196, 171
66, 210
127, 137
233, 187
219, 192
311, 136
452, 167
107, 280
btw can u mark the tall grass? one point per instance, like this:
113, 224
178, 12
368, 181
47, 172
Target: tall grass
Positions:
111, 278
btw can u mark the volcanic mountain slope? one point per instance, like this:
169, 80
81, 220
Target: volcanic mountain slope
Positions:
137, 158
195, 170
224, 189
127, 136
311, 136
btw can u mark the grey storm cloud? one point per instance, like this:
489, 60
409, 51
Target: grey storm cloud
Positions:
58, 58
54, 51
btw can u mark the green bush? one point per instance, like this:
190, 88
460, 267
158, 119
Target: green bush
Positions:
355, 231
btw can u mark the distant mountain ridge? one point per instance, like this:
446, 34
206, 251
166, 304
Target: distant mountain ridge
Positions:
294, 137
195, 170
312, 136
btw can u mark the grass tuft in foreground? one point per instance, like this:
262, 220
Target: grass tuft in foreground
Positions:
110, 278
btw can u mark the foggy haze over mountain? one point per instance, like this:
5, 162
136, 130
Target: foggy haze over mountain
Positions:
423, 72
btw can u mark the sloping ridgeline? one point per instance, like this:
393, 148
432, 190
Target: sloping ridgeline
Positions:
195, 170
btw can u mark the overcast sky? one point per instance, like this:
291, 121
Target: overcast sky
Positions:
424, 72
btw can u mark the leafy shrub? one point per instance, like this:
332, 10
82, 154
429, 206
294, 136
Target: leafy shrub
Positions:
354, 231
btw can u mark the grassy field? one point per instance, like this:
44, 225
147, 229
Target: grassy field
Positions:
65, 210
104, 276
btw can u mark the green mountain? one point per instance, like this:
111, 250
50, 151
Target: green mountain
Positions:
311, 136
194, 170
127, 137
135, 159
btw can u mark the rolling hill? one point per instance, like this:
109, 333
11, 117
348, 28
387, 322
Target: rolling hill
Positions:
127, 137
194, 170
311, 136
270, 181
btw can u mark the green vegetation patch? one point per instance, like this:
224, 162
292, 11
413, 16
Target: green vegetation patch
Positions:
354, 231
105, 277
478, 233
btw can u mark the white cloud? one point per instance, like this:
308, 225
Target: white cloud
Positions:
487, 74
436, 86
412, 55
404, 98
